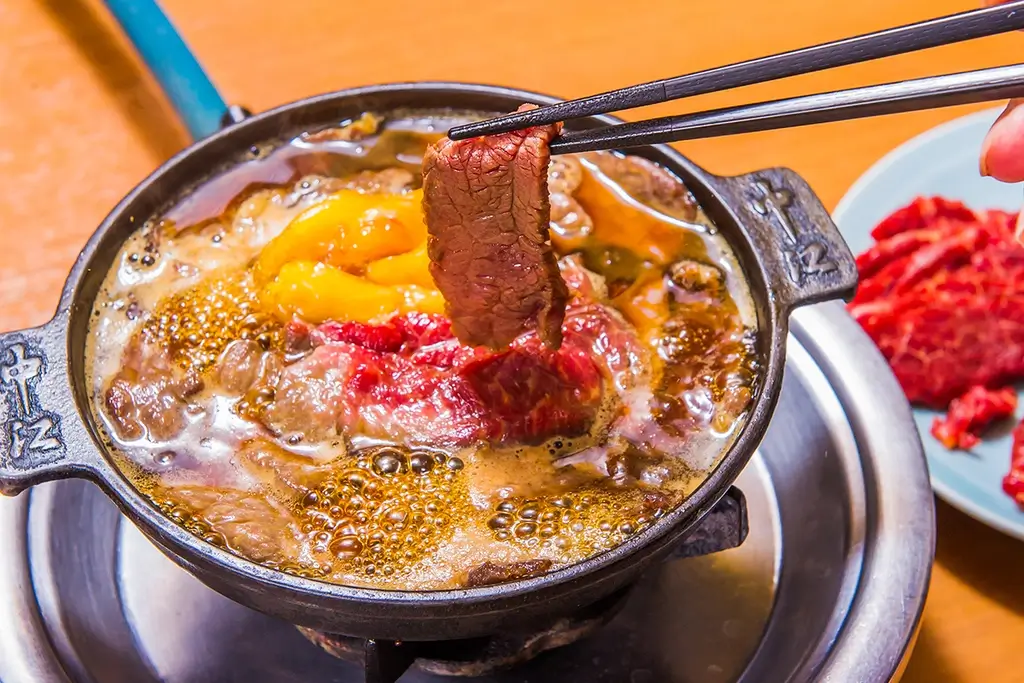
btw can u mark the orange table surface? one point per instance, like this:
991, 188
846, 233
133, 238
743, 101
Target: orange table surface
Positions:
81, 122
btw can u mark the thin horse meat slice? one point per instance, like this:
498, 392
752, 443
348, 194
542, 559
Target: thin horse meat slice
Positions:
970, 414
942, 295
1013, 482
487, 213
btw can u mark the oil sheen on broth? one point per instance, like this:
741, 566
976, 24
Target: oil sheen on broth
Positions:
229, 401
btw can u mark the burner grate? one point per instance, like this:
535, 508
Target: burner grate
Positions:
386, 661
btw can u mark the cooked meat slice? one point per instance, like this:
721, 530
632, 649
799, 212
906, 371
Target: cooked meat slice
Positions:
290, 474
252, 525
386, 181
648, 183
149, 395
694, 277
245, 366
571, 225
490, 573
359, 129
487, 212
564, 175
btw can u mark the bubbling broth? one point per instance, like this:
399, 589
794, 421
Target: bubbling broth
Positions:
274, 368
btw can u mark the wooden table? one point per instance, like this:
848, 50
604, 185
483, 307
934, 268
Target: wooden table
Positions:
81, 122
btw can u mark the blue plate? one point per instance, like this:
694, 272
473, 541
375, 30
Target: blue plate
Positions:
943, 161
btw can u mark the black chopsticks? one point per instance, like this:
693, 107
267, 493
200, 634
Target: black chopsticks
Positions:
1000, 83
895, 97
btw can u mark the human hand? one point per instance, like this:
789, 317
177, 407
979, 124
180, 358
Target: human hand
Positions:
1002, 153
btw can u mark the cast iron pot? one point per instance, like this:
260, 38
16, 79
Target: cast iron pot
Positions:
788, 247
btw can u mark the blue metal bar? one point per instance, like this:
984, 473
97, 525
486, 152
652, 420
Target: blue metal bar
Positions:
187, 86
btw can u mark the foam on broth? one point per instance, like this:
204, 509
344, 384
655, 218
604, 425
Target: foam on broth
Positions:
368, 511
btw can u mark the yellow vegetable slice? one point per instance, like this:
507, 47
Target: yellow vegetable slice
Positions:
421, 300
317, 292
347, 229
410, 268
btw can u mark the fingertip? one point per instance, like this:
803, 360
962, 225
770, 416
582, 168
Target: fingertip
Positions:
1002, 151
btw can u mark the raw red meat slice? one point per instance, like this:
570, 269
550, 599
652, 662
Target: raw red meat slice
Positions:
970, 414
893, 249
945, 249
1013, 482
907, 257
922, 212
880, 284
1001, 222
361, 380
950, 253
401, 333
938, 353
896, 265
532, 393
951, 314
942, 296
387, 338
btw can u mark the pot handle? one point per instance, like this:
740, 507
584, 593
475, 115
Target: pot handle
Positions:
42, 435
181, 77
805, 258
